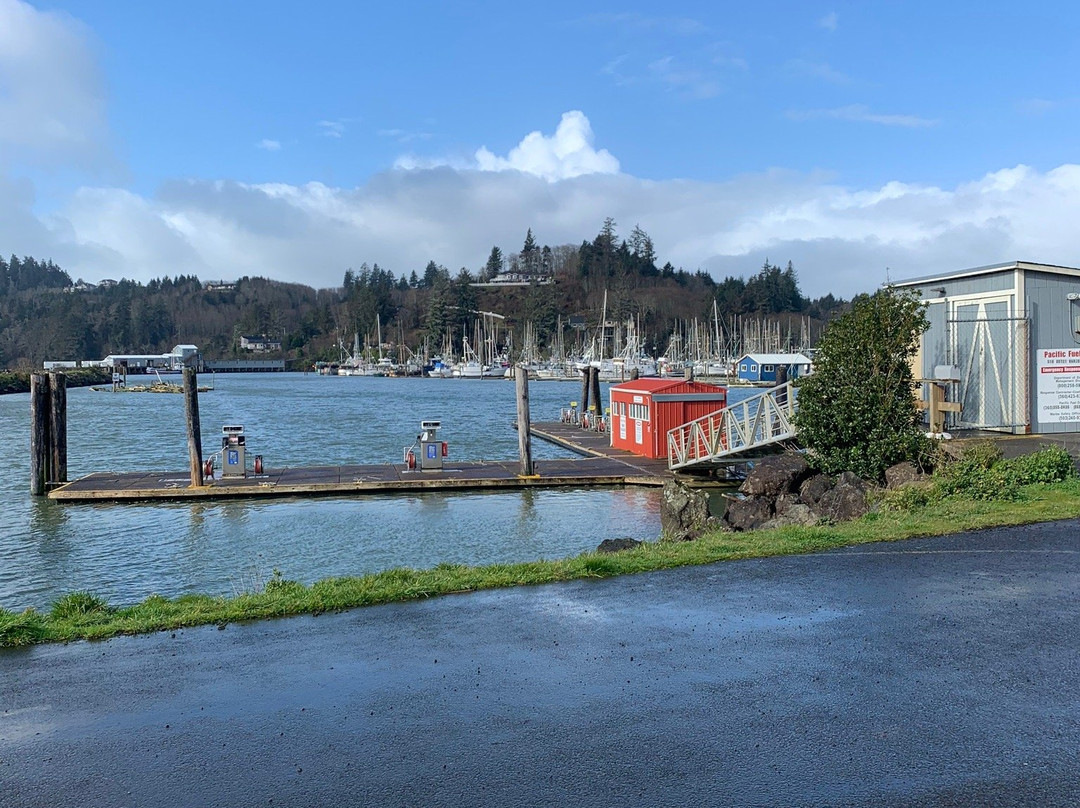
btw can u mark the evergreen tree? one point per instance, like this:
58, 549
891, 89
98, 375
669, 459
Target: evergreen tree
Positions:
494, 264
530, 255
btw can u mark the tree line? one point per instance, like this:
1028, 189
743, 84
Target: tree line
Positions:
46, 315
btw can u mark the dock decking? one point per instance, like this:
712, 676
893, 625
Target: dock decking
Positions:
601, 465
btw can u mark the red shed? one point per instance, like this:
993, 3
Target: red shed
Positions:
643, 411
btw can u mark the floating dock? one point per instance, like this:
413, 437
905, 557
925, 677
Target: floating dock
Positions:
600, 465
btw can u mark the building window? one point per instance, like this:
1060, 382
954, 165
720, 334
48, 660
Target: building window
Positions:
767, 368
639, 412
743, 367
753, 368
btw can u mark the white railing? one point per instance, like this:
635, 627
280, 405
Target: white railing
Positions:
761, 420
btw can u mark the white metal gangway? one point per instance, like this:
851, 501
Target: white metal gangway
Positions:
766, 419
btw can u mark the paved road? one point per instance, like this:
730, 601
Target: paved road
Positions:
928, 673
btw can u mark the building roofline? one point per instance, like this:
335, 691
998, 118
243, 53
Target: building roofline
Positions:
986, 270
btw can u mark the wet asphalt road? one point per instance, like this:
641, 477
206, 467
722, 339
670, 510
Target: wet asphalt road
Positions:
937, 672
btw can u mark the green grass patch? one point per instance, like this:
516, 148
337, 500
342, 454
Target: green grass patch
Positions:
81, 615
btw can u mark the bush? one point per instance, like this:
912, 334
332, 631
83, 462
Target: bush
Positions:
857, 410
1050, 465
980, 473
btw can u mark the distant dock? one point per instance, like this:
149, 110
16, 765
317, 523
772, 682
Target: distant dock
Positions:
600, 466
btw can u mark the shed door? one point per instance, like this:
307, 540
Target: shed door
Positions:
989, 345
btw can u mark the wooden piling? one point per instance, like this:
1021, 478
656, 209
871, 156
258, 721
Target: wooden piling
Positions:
594, 379
585, 388
194, 431
58, 461
521, 377
39, 434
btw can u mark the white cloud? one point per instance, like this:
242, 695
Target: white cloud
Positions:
840, 239
268, 145
566, 154
829, 21
52, 96
860, 113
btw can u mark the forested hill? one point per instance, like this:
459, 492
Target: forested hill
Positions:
44, 314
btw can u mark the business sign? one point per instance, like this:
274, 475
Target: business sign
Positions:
1059, 385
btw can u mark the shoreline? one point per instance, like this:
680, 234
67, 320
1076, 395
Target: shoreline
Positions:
82, 616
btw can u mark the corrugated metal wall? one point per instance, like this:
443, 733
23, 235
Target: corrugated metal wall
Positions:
1052, 318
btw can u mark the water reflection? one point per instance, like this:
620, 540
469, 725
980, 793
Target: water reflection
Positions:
47, 518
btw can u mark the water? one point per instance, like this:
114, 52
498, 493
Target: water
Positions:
128, 552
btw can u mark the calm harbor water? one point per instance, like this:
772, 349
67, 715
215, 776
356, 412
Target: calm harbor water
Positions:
127, 552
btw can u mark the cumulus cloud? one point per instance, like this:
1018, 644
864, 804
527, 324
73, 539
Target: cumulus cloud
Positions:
562, 186
52, 95
566, 154
840, 239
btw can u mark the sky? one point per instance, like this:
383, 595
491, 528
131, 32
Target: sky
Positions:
862, 142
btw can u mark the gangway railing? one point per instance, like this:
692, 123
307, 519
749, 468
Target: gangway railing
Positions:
762, 420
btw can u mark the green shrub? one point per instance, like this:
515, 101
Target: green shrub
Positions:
856, 411
911, 496
1049, 465
980, 473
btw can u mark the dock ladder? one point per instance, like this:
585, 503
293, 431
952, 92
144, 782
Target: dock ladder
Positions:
763, 420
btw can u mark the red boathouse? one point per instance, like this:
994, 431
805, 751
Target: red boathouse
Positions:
642, 411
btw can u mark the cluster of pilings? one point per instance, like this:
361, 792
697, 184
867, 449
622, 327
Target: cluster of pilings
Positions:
590, 389
48, 431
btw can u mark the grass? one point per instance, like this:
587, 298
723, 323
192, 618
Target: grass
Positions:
81, 615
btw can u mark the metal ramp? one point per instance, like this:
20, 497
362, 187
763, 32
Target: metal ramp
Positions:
764, 420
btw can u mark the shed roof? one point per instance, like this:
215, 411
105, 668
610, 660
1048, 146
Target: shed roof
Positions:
653, 385
777, 358
1053, 269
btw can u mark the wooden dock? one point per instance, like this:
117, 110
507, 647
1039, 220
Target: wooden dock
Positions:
600, 466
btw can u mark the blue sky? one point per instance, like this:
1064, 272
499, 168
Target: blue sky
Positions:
294, 141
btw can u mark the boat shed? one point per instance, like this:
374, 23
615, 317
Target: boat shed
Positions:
644, 410
764, 367
1004, 341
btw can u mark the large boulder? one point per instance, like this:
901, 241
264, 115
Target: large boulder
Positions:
797, 514
813, 488
846, 500
902, 474
748, 513
776, 475
684, 512
617, 545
